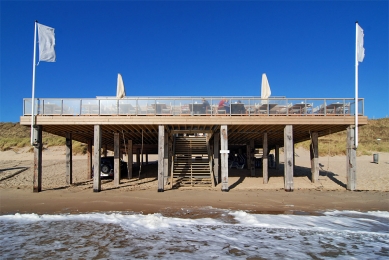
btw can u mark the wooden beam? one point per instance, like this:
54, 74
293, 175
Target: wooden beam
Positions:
314, 153
252, 159
105, 150
351, 155
69, 159
116, 160
224, 152
138, 162
130, 159
288, 157
277, 155
89, 160
97, 159
37, 178
161, 154
265, 167
216, 155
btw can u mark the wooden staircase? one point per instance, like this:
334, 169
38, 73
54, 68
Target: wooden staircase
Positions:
191, 162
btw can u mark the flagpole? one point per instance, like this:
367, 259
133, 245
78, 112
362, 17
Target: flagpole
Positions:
33, 88
356, 85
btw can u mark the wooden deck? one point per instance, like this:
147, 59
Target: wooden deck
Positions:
241, 129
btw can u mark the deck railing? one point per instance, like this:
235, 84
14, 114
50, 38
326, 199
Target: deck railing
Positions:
192, 106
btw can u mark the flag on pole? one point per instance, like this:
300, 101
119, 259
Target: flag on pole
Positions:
360, 49
46, 43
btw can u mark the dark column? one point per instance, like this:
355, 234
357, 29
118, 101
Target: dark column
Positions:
69, 159
37, 178
89, 160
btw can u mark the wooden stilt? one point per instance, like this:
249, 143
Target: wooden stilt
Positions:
224, 156
37, 178
116, 155
351, 159
314, 153
69, 159
216, 140
288, 157
265, 167
138, 157
166, 159
248, 156
105, 150
130, 159
161, 154
252, 159
277, 155
97, 159
89, 160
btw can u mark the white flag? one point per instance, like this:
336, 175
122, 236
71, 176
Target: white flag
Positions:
46, 43
360, 49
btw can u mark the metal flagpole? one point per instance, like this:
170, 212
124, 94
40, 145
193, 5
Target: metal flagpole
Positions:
33, 88
356, 85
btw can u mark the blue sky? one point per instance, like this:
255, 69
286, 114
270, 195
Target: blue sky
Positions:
191, 48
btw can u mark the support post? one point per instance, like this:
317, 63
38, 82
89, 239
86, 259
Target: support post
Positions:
224, 156
314, 152
248, 156
166, 159
69, 159
130, 159
161, 154
105, 150
265, 167
138, 157
277, 155
147, 159
89, 160
216, 151
252, 159
288, 157
97, 159
351, 159
37, 178
116, 160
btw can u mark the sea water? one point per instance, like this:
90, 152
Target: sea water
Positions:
196, 233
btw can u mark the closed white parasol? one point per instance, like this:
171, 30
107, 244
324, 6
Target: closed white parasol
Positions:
120, 92
265, 89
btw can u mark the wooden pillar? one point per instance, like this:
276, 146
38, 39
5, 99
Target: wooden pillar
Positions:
130, 159
224, 156
216, 151
288, 157
265, 167
170, 155
37, 178
277, 155
89, 160
138, 157
314, 153
147, 159
97, 159
105, 150
116, 160
351, 155
248, 156
161, 154
69, 159
166, 158
252, 159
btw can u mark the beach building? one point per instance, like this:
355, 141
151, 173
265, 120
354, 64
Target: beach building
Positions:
197, 139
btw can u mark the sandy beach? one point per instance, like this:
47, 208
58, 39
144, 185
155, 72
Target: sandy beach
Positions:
140, 195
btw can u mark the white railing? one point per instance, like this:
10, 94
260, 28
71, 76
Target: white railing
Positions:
193, 106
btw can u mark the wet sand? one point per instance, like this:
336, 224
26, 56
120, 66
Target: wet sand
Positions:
140, 195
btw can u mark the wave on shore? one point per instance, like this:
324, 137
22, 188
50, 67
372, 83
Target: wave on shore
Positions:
195, 234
